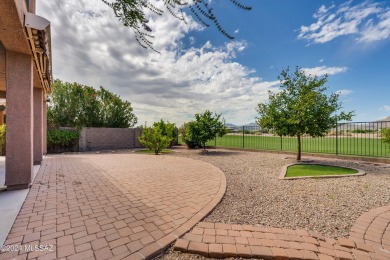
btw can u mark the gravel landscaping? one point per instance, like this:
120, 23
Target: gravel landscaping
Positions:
255, 196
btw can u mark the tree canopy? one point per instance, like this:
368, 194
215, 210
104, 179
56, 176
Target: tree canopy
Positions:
131, 13
301, 107
76, 105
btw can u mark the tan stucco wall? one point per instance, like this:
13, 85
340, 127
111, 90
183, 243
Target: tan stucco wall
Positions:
2, 67
38, 124
19, 159
13, 35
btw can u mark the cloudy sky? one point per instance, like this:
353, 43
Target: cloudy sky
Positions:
198, 68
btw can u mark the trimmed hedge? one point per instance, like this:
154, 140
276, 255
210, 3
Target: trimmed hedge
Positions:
3, 131
61, 140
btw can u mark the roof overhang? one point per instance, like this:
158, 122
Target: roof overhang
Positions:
39, 38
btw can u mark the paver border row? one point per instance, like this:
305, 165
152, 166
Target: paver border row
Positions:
220, 240
373, 228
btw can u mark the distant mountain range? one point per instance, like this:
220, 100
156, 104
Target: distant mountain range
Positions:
255, 126
385, 119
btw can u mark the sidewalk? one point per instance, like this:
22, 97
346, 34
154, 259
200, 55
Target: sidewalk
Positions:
10, 202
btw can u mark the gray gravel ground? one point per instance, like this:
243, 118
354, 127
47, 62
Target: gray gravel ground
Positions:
255, 196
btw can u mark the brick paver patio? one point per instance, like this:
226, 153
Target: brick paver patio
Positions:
130, 206
112, 206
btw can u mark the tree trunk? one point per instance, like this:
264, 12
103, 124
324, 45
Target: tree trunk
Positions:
299, 147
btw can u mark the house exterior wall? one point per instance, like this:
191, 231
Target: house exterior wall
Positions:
24, 103
38, 125
19, 143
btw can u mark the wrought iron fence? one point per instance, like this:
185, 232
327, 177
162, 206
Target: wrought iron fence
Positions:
357, 138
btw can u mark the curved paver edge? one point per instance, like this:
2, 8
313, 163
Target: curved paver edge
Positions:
159, 247
362, 224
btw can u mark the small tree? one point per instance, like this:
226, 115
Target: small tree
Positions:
168, 129
385, 134
153, 138
205, 128
301, 107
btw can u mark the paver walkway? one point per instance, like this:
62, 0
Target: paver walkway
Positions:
112, 206
219, 240
369, 239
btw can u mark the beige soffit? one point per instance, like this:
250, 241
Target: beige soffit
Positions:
39, 37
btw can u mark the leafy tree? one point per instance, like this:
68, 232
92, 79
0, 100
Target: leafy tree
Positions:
153, 138
76, 105
301, 107
115, 112
385, 134
205, 128
131, 13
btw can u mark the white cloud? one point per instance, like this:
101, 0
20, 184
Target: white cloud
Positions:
237, 31
90, 46
369, 21
192, 40
344, 92
321, 60
385, 108
322, 70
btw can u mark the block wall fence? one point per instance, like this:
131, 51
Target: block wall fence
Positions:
93, 139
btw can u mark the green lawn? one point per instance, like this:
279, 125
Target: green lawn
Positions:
299, 170
373, 147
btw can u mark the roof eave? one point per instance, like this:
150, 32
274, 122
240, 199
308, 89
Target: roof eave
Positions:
39, 38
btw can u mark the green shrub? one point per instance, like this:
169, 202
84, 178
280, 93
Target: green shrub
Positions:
385, 134
61, 137
190, 135
205, 128
363, 131
3, 138
168, 129
153, 138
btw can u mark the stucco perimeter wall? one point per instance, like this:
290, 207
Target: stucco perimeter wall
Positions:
93, 139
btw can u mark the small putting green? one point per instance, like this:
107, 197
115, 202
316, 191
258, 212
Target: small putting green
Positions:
303, 170
165, 151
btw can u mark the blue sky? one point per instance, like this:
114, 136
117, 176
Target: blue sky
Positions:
199, 68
